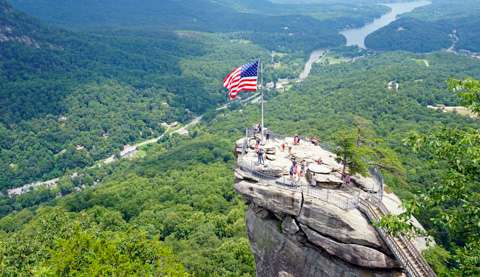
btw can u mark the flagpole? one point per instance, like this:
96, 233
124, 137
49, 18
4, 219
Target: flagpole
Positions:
262, 100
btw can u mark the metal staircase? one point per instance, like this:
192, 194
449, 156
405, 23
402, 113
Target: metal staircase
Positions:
403, 249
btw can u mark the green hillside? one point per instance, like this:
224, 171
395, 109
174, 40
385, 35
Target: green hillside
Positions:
428, 29
55, 85
181, 197
412, 35
280, 27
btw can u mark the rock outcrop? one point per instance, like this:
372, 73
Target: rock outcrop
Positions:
307, 227
301, 227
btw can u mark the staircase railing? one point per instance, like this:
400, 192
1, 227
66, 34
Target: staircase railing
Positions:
403, 254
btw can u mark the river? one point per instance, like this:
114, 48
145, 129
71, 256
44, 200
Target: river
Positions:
356, 36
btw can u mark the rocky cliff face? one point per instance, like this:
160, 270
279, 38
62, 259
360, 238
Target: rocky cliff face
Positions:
283, 248
292, 234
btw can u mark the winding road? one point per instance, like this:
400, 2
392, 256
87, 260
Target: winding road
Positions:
314, 57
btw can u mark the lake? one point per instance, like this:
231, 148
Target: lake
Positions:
356, 36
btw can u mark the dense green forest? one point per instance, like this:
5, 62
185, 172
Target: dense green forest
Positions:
181, 193
443, 9
416, 35
175, 207
279, 27
195, 14
54, 90
56, 83
410, 34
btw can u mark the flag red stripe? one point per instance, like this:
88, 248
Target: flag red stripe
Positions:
233, 74
245, 87
242, 81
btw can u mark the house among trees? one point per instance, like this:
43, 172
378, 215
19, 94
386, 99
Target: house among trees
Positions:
393, 85
128, 151
79, 147
282, 84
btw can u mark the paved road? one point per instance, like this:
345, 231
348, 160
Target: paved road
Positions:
314, 57
183, 130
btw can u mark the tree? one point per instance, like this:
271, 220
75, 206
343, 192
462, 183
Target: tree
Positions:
377, 154
452, 203
350, 155
469, 92
361, 149
364, 130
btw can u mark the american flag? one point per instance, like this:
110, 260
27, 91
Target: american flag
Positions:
242, 78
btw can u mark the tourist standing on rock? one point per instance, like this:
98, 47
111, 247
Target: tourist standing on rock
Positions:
261, 154
258, 128
257, 139
293, 170
303, 166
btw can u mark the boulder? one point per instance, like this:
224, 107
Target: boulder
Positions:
346, 226
289, 226
277, 254
353, 253
366, 184
272, 197
270, 157
327, 180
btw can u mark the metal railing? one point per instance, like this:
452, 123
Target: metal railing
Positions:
252, 168
408, 252
325, 195
403, 249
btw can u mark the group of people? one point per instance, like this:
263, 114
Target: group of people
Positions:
297, 170
259, 132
